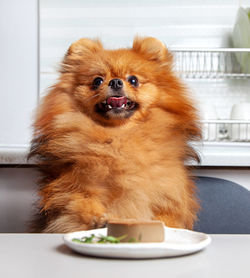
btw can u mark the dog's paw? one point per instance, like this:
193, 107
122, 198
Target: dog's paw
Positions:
88, 213
98, 221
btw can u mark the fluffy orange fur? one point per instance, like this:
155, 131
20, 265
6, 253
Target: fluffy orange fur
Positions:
98, 167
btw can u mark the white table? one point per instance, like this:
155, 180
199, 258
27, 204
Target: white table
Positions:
45, 256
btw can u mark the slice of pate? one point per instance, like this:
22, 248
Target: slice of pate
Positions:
132, 230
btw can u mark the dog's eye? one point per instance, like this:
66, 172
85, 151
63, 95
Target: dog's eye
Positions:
97, 82
133, 80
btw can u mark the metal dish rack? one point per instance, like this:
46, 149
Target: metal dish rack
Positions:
217, 63
226, 131
212, 63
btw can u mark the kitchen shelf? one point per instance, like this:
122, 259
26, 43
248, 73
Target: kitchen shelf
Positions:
212, 63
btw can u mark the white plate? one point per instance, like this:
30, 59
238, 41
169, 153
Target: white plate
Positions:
177, 242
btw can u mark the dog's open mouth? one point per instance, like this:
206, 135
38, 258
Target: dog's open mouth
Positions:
117, 105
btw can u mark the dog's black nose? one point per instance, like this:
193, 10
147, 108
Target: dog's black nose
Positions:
116, 84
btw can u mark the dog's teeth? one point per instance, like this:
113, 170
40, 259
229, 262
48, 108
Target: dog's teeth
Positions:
123, 105
109, 106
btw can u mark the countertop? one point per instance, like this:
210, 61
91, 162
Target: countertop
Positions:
211, 154
45, 255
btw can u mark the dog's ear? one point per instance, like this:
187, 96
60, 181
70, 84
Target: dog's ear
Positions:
78, 51
83, 46
152, 48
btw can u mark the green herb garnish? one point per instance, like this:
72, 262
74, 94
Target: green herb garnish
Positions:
110, 239
101, 239
77, 240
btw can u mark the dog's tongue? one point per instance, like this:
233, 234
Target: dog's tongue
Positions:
116, 101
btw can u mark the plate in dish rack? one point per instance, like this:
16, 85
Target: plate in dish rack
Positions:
178, 242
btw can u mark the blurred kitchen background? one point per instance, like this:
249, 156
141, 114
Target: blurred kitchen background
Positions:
210, 41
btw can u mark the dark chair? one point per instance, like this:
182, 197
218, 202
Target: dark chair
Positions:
225, 207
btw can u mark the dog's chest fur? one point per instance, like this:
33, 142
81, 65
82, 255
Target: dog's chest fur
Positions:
138, 170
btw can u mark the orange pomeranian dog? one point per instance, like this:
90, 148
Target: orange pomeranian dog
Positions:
111, 138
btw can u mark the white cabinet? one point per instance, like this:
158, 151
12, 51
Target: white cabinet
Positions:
18, 71
17, 198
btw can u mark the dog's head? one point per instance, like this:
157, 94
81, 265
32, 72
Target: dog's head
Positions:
112, 86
